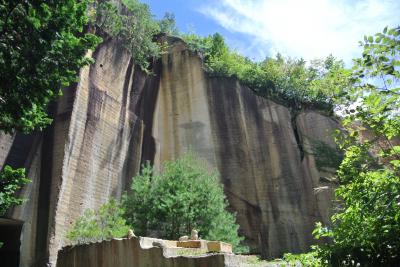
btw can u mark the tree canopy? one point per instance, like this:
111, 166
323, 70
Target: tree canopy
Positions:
42, 48
10, 181
366, 228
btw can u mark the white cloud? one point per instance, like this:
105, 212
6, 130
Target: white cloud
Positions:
309, 28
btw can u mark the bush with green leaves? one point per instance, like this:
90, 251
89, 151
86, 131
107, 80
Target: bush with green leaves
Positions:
95, 225
310, 259
288, 81
366, 227
184, 196
168, 24
10, 182
133, 25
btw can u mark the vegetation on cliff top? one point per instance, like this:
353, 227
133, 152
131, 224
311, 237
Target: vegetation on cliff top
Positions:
288, 81
43, 45
132, 24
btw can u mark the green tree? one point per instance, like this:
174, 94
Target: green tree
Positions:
183, 197
95, 225
168, 24
366, 228
11, 181
42, 48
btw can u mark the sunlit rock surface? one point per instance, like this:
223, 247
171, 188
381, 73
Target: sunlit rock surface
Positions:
118, 117
257, 146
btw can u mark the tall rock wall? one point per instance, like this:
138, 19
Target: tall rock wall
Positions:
256, 145
117, 117
89, 153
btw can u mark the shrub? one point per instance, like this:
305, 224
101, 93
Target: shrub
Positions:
286, 80
133, 25
95, 225
183, 197
10, 182
310, 259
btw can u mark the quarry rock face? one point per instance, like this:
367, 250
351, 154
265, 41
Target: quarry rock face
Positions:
118, 117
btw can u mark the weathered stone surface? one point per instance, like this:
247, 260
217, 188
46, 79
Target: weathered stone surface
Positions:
128, 252
255, 145
6, 141
192, 244
217, 246
117, 118
316, 130
88, 155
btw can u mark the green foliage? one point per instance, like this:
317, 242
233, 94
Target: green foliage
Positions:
183, 197
105, 223
285, 80
133, 25
42, 47
310, 259
366, 228
168, 24
10, 182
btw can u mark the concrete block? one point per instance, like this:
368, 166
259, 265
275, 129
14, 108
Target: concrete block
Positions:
193, 244
216, 246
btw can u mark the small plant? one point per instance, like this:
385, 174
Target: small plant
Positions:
310, 259
95, 225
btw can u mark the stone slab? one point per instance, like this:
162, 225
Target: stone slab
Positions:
193, 244
217, 246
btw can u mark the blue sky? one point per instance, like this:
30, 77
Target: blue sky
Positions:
298, 28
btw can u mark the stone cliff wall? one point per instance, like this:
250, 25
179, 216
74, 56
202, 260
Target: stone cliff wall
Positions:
89, 154
256, 145
117, 117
